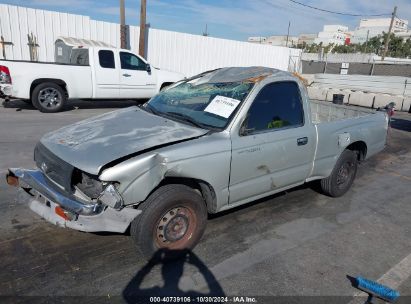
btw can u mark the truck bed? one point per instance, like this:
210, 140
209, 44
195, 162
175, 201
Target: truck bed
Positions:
340, 125
77, 78
322, 111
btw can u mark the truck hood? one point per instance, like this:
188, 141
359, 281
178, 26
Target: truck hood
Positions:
169, 76
92, 143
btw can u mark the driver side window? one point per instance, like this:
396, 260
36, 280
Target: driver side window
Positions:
278, 105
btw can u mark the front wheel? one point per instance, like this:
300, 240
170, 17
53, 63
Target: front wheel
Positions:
48, 97
174, 217
342, 176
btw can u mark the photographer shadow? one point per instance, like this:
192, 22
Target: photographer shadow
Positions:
172, 267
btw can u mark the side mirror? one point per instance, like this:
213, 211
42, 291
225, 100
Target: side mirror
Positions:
148, 68
244, 131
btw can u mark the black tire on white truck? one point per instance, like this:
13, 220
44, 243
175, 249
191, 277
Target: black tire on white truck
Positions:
48, 97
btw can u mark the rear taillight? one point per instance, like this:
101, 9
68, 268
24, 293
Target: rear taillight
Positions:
5, 75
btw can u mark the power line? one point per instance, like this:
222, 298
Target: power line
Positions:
402, 20
337, 13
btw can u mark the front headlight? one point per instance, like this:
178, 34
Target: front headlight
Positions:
88, 184
111, 197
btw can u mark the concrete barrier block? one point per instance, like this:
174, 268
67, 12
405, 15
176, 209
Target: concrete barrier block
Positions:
362, 99
406, 105
355, 98
382, 100
367, 100
347, 94
331, 92
317, 93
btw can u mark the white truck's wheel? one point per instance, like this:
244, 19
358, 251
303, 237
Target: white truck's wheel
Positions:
48, 97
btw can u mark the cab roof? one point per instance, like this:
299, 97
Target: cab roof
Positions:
251, 74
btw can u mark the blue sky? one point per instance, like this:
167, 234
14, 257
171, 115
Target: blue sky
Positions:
231, 19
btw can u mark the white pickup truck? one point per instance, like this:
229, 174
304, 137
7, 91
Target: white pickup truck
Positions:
92, 73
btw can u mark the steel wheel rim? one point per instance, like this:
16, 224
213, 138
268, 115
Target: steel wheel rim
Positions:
50, 98
344, 174
175, 228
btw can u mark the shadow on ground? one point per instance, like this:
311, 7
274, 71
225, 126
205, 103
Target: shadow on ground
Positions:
401, 124
75, 104
173, 264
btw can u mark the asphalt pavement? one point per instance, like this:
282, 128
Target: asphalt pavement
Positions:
298, 243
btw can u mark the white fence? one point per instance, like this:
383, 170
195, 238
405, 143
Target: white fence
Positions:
186, 53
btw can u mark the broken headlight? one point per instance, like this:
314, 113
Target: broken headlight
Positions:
88, 184
111, 197
95, 189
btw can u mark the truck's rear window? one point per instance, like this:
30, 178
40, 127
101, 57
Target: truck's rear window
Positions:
79, 56
106, 59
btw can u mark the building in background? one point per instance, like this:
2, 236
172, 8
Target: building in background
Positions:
257, 39
384, 24
334, 34
276, 40
340, 34
282, 40
308, 39
373, 27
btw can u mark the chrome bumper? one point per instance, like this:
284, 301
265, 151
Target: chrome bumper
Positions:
36, 180
90, 217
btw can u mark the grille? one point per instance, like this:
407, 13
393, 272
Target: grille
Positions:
53, 167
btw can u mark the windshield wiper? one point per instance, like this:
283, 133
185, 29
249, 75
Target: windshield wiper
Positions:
186, 118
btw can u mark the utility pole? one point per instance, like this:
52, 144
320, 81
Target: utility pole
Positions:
205, 34
366, 42
123, 38
288, 33
142, 40
387, 40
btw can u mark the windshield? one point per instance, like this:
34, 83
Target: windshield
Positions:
206, 105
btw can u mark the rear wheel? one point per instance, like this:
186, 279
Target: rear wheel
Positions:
48, 97
342, 176
174, 217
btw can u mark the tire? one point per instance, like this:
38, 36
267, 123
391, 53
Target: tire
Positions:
342, 176
173, 218
48, 97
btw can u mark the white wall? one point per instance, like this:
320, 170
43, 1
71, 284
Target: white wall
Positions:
335, 28
185, 53
399, 24
192, 54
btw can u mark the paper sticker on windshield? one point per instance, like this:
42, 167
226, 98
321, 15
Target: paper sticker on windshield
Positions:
222, 106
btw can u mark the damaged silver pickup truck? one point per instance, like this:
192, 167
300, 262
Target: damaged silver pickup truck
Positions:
206, 144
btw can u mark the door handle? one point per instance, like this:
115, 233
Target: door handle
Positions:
126, 75
302, 141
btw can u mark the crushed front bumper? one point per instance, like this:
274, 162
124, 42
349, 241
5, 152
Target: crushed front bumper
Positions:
62, 210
